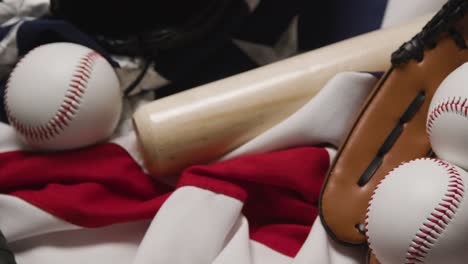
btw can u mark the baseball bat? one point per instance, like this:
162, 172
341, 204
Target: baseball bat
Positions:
200, 125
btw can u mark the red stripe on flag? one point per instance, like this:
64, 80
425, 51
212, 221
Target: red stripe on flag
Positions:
280, 191
90, 187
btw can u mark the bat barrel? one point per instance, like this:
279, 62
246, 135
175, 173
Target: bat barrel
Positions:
202, 124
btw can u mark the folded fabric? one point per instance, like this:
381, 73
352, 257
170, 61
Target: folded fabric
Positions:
49, 197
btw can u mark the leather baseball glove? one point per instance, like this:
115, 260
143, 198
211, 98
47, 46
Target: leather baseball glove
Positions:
390, 127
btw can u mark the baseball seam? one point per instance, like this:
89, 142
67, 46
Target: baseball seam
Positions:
435, 224
449, 105
68, 108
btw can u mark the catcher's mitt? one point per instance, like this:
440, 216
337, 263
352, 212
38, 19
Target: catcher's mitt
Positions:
390, 128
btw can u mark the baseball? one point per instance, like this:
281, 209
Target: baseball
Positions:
63, 96
418, 214
447, 122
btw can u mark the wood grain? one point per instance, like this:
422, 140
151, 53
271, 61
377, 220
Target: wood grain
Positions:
202, 124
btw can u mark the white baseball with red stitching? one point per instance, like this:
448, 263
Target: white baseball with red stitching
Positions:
418, 214
447, 120
63, 96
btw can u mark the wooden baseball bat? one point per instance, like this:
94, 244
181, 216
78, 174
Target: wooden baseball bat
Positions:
200, 125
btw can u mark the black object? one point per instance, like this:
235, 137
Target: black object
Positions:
442, 22
143, 27
6, 256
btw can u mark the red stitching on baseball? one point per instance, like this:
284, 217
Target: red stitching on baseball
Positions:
449, 105
69, 107
438, 220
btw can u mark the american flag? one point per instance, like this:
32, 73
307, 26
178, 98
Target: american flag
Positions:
99, 205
